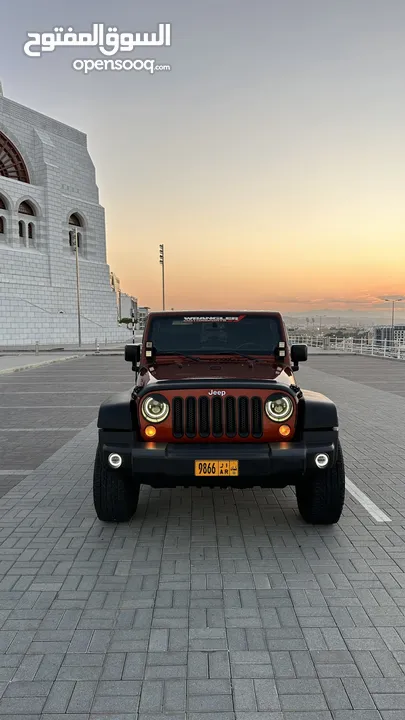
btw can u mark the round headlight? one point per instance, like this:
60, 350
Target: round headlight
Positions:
155, 409
279, 408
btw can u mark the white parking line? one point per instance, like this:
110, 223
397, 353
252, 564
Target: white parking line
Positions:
16, 472
41, 429
368, 504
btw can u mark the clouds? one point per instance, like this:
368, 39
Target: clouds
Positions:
365, 302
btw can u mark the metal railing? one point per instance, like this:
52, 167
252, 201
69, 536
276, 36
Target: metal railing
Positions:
98, 344
356, 346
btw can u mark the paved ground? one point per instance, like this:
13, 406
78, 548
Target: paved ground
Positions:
379, 373
41, 409
13, 362
207, 605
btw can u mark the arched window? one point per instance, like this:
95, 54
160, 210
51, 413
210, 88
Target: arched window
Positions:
75, 220
12, 164
26, 209
4, 216
27, 227
76, 223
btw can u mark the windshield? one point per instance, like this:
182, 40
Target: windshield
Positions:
254, 334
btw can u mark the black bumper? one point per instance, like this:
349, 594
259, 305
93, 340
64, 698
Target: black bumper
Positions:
260, 464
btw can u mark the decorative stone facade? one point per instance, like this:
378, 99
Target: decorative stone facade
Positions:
48, 194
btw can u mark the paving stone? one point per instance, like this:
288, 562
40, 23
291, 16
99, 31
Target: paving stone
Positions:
244, 696
165, 672
151, 696
59, 697
208, 687
215, 704
197, 664
358, 693
335, 694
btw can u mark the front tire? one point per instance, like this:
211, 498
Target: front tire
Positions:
115, 495
321, 494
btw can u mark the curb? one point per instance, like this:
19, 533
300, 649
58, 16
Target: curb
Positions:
93, 353
37, 365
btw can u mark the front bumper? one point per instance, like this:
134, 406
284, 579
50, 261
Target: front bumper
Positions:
260, 464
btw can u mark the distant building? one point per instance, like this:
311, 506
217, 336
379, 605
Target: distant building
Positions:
116, 287
386, 332
143, 313
127, 303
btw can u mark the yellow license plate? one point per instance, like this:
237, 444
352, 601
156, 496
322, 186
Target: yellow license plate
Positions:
215, 468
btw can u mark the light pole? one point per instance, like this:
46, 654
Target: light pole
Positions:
393, 301
76, 248
133, 320
162, 262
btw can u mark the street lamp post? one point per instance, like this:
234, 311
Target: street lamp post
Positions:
76, 248
162, 262
133, 318
393, 301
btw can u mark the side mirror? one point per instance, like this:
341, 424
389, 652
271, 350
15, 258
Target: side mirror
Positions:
299, 353
133, 355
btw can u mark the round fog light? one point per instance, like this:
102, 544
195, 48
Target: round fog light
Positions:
115, 460
321, 460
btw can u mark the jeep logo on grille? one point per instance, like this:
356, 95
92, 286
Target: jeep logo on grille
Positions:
221, 393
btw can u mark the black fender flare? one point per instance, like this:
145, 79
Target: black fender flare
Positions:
317, 412
116, 412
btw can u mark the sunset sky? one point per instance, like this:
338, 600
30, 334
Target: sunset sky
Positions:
270, 161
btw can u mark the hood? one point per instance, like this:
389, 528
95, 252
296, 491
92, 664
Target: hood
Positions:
240, 369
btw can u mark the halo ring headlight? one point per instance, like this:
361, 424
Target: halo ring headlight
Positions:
155, 409
279, 408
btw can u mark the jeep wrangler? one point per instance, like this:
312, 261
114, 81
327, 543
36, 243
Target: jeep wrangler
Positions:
216, 403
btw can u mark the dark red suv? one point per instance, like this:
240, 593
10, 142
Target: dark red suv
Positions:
216, 403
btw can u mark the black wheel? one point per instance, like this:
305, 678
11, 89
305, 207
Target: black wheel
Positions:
321, 494
115, 494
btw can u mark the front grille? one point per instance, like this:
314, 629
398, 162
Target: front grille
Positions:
220, 417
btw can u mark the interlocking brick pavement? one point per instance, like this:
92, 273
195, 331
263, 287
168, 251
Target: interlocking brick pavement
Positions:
208, 604
41, 409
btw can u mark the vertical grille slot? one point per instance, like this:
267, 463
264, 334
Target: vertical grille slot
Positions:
257, 417
230, 417
178, 420
217, 419
191, 417
203, 417
243, 416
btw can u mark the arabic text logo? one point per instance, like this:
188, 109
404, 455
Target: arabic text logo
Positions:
108, 43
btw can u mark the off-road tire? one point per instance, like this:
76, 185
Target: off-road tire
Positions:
115, 494
321, 494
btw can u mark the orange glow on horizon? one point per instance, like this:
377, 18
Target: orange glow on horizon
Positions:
251, 274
